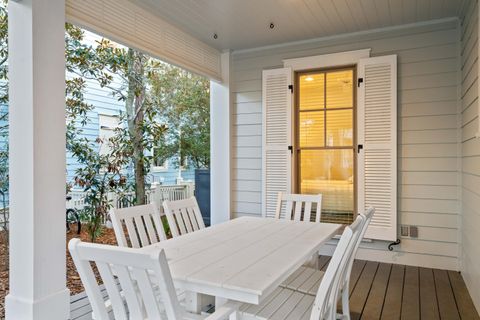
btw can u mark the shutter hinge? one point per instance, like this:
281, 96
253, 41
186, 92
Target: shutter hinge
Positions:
291, 149
290, 87
359, 147
359, 82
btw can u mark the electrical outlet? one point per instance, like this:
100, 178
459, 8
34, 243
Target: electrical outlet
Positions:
404, 231
413, 232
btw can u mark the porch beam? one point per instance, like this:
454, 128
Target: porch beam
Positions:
220, 144
37, 160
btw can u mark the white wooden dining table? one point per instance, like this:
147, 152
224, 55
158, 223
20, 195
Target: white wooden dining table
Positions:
244, 259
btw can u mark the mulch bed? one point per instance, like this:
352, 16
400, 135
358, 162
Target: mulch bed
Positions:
73, 280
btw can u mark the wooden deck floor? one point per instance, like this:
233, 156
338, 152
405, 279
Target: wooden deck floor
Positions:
385, 291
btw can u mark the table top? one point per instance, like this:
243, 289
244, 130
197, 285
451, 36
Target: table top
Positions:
243, 259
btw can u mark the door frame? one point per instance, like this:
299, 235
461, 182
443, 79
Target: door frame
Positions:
331, 61
296, 127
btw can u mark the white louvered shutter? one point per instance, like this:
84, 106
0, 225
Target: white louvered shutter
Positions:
277, 135
377, 132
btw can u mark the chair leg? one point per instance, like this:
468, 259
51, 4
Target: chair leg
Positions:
234, 316
345, 301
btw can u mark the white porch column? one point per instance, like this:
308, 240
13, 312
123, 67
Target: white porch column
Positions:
220, 148
37, 160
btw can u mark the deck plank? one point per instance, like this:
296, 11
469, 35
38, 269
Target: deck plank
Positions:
411, 295
323, 262
465, 305
376, 297
446, 300
405, 292
357, 269
428, 297
393, 298
360, 293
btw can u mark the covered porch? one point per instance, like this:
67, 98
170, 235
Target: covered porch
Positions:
429, 170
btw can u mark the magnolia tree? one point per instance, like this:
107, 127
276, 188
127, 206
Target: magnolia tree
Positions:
160, 102
165, 107
183, 101
99, 173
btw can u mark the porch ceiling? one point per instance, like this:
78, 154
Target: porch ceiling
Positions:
245, 24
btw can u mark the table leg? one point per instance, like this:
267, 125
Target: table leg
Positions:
194, 302
219, 301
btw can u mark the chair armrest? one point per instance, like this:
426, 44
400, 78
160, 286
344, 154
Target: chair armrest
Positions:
224, 311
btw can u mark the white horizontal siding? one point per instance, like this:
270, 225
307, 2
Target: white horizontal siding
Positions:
428, 134
470, 152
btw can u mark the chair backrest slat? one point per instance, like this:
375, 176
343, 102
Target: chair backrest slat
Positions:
113, 290
307, 214
183, 216
198, 216
145, 286
143, 223
186, 219
294, 205
140, 276
367, 217
142, 234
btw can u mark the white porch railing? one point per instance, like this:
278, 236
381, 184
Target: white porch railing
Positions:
156, 194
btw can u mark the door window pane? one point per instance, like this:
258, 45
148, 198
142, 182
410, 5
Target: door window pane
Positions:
312, 129
329, 172
339, 89
312, 91
340, 128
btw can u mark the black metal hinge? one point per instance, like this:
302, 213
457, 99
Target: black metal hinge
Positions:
291, 149
360, 81
359, 147
290, 86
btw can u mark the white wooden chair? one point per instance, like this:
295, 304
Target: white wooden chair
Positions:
143, 224
293, 305
145, 287
306, 280
183, 216
296, 204
298, 207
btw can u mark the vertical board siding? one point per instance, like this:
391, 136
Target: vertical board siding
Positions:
470, 151
428, 156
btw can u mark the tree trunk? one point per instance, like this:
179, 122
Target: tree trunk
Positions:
135, 115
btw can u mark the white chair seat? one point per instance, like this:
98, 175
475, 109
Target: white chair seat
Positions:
282, 304
304, 280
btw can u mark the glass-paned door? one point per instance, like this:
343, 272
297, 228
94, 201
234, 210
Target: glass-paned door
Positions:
325, 140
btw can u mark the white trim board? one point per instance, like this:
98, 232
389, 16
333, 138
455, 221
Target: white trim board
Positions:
370, 252
327, 60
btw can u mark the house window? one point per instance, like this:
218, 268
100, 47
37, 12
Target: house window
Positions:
325, 140
107, 125
159, 162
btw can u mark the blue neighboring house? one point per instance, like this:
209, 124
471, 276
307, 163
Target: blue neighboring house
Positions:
104, 118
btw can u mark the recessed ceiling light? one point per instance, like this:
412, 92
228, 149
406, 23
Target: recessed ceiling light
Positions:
309, 78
